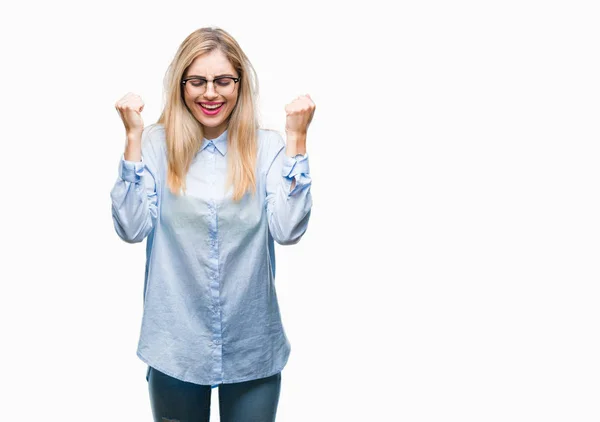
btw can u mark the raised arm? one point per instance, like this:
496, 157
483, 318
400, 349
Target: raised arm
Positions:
134, 195
289, 200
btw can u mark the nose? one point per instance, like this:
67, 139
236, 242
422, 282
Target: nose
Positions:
210, 92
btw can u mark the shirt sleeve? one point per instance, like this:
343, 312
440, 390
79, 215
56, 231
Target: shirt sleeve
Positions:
288, 210
134, 195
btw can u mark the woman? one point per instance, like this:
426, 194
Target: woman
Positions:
212, 192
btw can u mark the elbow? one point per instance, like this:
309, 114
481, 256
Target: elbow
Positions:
290, 234
137, 238
131, 233
287, 240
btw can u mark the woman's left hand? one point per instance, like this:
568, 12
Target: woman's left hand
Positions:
299, 114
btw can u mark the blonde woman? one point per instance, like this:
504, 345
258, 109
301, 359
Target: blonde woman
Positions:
212, 192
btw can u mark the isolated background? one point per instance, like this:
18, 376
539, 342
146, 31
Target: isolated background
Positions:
450, 269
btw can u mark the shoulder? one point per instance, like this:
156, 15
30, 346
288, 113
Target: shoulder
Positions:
154, 144
154, 134
270, 142
154, 139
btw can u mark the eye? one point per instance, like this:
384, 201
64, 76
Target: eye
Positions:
226, 81
197, 82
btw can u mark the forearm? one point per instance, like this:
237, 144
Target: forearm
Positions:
295, 144
288, 197
133, 147
134, 195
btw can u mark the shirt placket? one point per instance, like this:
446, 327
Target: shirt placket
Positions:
213, 270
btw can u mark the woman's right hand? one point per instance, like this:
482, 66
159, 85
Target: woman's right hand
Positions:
130, 108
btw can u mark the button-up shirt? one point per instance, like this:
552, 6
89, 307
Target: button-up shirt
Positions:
211, 314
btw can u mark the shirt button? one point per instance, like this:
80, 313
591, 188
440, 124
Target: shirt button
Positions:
217, 342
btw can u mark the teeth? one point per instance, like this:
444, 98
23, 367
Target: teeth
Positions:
211, 107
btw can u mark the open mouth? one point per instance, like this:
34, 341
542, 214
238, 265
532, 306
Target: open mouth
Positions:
210, 108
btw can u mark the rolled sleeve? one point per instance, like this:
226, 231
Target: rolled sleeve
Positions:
134, 199
298, 169
288, 210
131, 171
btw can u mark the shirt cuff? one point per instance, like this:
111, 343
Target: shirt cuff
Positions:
298, 169
293, 167
131, 171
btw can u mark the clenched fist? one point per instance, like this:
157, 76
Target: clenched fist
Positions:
130, 108
299, 114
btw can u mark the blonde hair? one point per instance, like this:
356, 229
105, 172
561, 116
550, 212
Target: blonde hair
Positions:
184, 133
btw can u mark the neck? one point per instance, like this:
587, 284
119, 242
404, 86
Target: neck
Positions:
213, 132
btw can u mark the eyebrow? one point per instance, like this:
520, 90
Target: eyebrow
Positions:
218, 76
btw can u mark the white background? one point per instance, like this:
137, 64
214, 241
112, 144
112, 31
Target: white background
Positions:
450, 269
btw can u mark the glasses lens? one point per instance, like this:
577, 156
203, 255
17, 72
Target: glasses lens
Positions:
224, 85
194, 87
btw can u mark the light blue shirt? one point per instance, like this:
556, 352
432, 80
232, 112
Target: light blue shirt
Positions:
211, 314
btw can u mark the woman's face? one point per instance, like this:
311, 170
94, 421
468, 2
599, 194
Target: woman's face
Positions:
211, 102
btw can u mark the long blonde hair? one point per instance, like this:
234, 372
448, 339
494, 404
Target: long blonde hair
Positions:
184, 133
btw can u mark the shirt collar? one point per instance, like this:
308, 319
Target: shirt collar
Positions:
220, 143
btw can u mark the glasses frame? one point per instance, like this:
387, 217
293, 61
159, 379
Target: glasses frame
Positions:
199, 78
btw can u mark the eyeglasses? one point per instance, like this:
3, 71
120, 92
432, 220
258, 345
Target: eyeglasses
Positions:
223, 85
